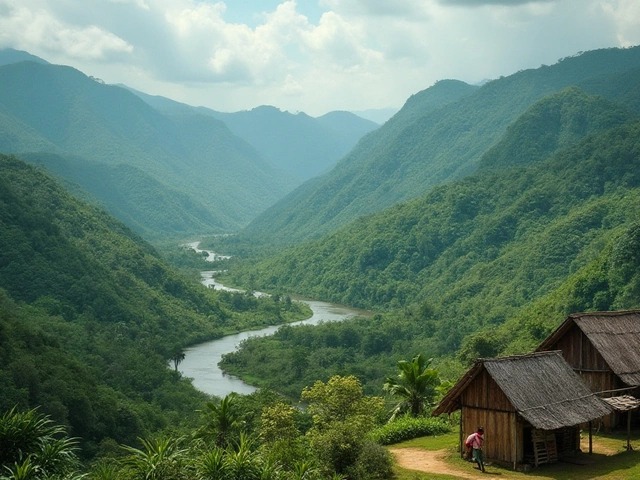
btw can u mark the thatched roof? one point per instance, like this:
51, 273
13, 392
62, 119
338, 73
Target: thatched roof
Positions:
623, 403
616, 336
542, 388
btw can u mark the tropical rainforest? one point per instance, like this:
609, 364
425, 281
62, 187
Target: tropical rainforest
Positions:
470, 224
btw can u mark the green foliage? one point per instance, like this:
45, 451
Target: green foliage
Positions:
342, 418
416, 386
32, 446
160, 459
438, 142
222, 422
90, 316
407, 427
198, 176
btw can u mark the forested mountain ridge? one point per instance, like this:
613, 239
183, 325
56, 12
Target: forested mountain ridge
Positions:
524, 227
480, 267
556, 122
440, 145
296, 143
55, 109
149, 207
90, 316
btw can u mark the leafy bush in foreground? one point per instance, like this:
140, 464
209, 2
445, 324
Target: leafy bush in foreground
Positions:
406, 428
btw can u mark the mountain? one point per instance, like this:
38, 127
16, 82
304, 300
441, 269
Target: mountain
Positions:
9, 55
421, 147
377, 115
138, 200
556, 122
478, 267
500, 237
90, 316
296, 143
54, 109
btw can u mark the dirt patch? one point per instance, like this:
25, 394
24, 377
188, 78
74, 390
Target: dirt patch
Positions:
433, 462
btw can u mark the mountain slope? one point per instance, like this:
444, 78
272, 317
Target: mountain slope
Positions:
296, 143
477, 248
430, 147
9, 55
133, 197
556, 122
199, 157
90, 316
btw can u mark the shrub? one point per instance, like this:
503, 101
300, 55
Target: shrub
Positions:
406, 428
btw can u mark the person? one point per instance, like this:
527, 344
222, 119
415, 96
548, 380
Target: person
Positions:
475, 442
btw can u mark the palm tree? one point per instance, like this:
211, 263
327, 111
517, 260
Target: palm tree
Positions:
32, 446
159, 460
415, 385
222, 421
177, 358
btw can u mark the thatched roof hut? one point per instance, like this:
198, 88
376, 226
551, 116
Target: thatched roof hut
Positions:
517, 397
600, 343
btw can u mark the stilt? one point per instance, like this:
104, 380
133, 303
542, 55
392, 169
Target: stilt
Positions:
590, 439
629, 448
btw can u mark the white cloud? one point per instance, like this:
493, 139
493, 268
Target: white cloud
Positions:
359, 54
38, 30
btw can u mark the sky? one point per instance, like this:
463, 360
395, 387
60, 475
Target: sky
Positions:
313, 56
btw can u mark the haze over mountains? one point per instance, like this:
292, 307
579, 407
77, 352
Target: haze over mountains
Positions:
438, 136
186, 172
296, 143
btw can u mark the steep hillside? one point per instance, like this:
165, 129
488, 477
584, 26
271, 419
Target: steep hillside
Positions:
485, 265
90, 316
138, 200
296, 143
405, 158
556, 122
524, 228
43, 105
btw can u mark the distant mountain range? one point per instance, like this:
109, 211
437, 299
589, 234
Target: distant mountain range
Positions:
175, 172
439, 135
295, 143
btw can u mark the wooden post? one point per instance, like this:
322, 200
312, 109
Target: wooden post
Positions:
515, 440
629, 431
462, 449
590, 439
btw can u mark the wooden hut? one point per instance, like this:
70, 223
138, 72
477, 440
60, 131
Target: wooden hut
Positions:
530, 407
604, 349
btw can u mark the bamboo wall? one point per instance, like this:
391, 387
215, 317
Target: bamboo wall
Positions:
484, 403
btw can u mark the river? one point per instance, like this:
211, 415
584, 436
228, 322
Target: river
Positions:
201, 361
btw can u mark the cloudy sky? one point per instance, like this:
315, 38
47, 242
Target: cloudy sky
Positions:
309, 55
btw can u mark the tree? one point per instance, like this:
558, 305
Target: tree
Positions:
221, 421
159, 460
342, 418
415, 385
31, 446
177, 358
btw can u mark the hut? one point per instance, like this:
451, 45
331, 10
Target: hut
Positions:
531, 407
604, 349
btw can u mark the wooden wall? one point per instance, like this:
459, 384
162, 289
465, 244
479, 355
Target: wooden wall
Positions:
587, 362
484, 403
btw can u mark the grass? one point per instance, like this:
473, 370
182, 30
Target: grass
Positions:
610, 461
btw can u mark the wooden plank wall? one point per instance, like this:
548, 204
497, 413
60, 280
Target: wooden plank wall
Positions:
484, 403
580, 353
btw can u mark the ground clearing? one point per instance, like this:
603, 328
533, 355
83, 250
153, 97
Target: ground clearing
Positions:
436, 458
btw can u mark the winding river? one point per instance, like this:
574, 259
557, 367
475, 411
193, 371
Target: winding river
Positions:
201, 361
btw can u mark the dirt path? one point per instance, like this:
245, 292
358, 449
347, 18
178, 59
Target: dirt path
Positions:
432, 462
